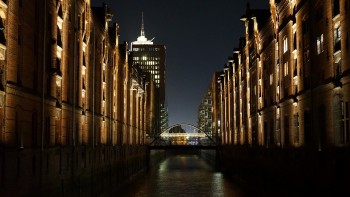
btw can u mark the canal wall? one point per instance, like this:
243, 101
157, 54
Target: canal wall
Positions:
78, 171
210, 157
170, 152
155, 157
289, 172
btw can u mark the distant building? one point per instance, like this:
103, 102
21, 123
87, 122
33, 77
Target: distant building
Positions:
177, 129
164, 118
150, 58
205, 113
177, 140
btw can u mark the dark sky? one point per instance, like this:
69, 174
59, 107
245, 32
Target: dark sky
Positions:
199, 36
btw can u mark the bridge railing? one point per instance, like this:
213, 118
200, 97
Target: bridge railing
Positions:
194, 136
173, 141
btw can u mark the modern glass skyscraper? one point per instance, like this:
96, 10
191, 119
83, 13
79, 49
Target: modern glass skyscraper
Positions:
150, 58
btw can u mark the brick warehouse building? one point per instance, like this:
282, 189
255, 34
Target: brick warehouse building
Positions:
291, 72
284, 96
74, 113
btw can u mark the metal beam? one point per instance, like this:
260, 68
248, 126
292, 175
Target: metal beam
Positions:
187, 147
183, 135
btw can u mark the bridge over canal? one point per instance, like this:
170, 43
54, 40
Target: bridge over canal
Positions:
183, 136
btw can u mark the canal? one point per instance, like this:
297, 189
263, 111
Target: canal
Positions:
180, 175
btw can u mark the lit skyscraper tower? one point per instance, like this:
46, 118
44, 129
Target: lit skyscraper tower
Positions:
151, 58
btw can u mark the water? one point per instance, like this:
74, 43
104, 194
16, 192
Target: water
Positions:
181, 176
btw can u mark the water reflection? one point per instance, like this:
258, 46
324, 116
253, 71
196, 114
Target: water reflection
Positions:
182, 175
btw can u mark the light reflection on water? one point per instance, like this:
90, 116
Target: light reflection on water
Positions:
182, 175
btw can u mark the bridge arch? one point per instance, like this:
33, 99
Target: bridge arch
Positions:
186, 124
197, 132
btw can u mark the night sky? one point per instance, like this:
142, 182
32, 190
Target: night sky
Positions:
199, 36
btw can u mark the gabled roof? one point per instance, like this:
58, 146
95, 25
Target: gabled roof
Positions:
261, 15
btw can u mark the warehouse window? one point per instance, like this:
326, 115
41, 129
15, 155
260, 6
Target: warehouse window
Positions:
296, 129
285, 44
336, 8
345, 123
271, 79
337, 34
286, 69
319, 44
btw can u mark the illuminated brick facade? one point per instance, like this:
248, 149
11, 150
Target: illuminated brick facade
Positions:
285, 102
287, 85
69, 99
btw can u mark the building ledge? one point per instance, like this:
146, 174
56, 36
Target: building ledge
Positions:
336, 17
3, 8
59, 51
